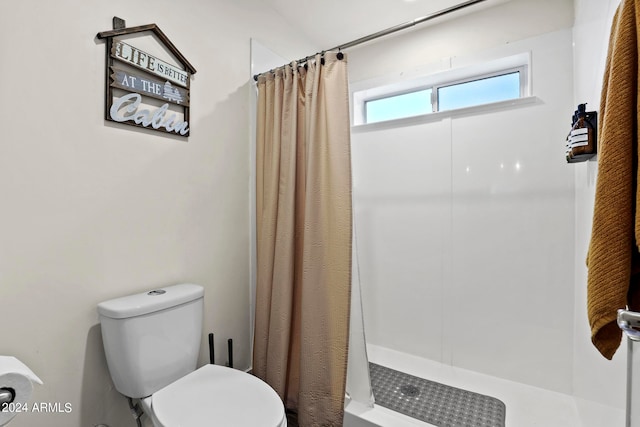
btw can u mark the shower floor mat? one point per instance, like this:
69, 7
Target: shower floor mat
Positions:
432, 402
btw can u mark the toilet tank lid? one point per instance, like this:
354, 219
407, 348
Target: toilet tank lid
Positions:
150, 301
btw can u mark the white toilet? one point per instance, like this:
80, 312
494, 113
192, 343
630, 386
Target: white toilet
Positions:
152, 340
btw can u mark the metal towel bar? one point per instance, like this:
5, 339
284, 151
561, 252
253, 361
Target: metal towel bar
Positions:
629, 322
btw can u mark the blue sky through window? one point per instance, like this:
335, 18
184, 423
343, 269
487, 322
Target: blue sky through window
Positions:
398, 106
483, 91
457, 95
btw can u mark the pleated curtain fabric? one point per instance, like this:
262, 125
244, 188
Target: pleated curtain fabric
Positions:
303, 190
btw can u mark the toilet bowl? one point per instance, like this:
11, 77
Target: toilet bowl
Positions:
152, 341
216, 396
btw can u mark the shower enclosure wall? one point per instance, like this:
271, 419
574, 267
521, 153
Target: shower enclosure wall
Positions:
471, 228
465, 231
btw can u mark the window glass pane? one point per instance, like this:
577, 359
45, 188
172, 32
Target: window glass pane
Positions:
398, 106
491, 89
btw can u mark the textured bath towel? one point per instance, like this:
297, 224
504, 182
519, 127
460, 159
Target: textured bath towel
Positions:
613, 259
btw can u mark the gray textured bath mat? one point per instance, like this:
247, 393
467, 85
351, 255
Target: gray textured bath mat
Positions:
434, 403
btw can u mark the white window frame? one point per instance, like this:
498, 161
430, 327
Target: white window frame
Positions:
374, 90
385, 96
522, 70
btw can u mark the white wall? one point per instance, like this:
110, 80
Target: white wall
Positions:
473, 268
595, 378
91, 210
421, 49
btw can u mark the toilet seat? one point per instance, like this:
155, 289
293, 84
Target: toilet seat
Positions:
218, 396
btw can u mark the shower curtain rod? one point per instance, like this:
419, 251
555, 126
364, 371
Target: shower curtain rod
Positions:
388, 31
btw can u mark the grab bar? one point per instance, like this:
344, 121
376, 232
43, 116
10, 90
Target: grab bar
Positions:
629, 322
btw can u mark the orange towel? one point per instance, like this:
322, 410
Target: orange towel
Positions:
613, 259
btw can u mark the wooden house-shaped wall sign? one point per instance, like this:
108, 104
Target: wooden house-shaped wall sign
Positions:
147, 79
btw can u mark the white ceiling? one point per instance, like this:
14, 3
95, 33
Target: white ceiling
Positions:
329, 23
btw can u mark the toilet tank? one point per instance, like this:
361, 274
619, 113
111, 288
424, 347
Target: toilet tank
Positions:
153, 338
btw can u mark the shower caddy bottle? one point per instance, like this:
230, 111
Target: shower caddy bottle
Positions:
581, 144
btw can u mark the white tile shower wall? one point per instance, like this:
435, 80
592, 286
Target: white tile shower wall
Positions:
594, 378
512, 249
512, 232
466, 226
402, 188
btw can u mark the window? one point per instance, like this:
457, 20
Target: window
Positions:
398, 106
500, 80
480, 91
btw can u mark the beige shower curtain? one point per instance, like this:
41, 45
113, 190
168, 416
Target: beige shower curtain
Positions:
303, 190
